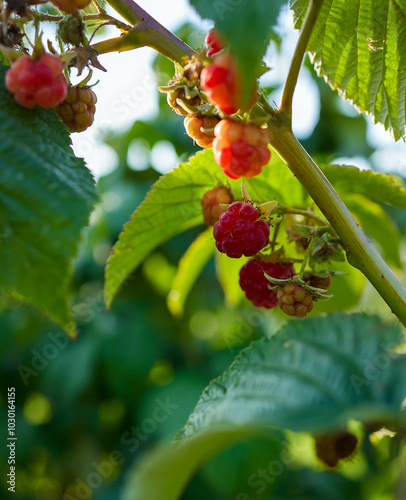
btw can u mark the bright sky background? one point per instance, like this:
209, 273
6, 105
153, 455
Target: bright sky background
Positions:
127, 92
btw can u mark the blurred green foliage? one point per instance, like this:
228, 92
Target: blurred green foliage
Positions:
87, 410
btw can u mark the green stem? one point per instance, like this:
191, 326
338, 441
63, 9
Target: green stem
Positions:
283, 209
360, 251
125, 42
149, 33
275, 236
103, 16
306, 259
304, 37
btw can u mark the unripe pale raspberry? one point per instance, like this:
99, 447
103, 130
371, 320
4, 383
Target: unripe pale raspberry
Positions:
213, 42
70, 6
256, 286
180, 94
317, 281
240, 149
195, 128
331, 448
221, 83
70, 29
295, 300
77, 110
211, 204
238, 232
39, 82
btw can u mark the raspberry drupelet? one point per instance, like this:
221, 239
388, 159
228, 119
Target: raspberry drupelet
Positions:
70, 6
256, 285
195, 127
213, 42
77, 110
211, 202
37, 82
295, 300
221, 83
240, 149
238, 232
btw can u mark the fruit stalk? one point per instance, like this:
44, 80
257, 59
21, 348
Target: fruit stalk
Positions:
296, 64
360, 251
146, 32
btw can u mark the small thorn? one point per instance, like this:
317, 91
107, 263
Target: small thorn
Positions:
244, 193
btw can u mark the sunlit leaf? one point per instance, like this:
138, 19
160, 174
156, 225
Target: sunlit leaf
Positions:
360, 49
189, 269
46, 195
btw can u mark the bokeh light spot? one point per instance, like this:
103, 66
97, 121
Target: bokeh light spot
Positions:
37, 409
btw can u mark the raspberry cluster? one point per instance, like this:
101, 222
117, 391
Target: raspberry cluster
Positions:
196, 126
213, 42
256, 286
77, 110
240, 149
238, 232
211, 202
70, 6
294, 300
37, 82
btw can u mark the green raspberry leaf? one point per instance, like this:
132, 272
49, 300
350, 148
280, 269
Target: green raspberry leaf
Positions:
377, 225
46, 195
360, 50
275, 384
378, 187
189, 268
171, 207
246, 27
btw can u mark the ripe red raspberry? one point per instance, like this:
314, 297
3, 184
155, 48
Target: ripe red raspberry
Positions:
195, 125
331, 448
39, 82
221, 83
70, 6
237, 232
294, 300
256, 286
211, 204
240, 149
77, 110
213, 42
